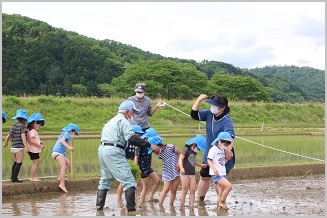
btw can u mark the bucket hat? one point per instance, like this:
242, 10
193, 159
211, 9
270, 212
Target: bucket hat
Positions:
137, 129
223, 136
155, 140
35, 117
71, 126
4, 117
149, 133
199, 140
21, 113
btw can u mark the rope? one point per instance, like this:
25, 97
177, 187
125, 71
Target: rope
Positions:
247, 139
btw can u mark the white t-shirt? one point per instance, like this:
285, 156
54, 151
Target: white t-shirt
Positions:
218, 159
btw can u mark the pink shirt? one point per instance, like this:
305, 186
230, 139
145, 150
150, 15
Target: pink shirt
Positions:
32, 148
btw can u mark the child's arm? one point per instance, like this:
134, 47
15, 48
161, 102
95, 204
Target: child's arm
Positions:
180, 163
23, 135
34, 142
210, 163
136, 159
6, 140
200, 164
64, 143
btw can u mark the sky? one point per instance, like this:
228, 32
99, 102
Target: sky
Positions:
244, 34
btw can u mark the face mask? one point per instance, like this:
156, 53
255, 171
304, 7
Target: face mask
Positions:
214, 109
131, 120
196, 150
72, 136
139, 95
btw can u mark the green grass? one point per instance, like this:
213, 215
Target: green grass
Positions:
86, 162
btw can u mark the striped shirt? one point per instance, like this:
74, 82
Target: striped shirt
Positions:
170, 160
15, 133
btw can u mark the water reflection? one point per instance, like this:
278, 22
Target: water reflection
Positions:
243, 200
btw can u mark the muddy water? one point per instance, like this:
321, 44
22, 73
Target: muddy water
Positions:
294, 196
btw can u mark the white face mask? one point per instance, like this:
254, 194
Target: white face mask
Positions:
72, 136
139, 95
196, 150
131, 120
214, 109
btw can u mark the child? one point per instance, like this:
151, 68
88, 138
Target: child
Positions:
216, 161
35, 145
18, 136
4, 117
170, 175
186, 163
130, 155
143, 158
59, 151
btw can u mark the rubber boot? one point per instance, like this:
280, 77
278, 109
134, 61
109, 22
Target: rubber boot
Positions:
130, 199
16, 172
101, 198
12, 169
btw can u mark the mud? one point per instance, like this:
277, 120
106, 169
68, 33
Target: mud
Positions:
289, 196
10, 189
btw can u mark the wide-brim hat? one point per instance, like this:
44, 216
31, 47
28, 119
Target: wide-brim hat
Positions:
137, 129
149, 133
223, 136
199, 140
21, 113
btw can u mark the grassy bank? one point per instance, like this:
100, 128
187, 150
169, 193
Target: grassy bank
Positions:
91, 113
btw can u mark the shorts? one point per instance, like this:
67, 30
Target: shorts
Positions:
15, 150
215, 179
34, 156
204, 172
54, 155
146, 172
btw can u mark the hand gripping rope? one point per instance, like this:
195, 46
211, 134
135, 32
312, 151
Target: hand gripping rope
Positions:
164, 104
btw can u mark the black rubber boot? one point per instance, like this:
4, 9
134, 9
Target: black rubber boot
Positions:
16, 172
130, 199
101, 198
12, 169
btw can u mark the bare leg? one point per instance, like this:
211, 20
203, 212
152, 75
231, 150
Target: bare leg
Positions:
203, 188
173, 189
164, 192
185, 187
145, 186
119, 192
33, 170
192, 191
155, 186
63, 164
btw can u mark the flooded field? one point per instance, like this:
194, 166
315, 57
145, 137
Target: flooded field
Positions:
282, 196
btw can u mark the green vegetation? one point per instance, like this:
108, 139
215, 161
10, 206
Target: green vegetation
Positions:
91, 113
86, 163
39, 59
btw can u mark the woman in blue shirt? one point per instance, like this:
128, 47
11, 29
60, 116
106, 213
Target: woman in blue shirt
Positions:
217, 120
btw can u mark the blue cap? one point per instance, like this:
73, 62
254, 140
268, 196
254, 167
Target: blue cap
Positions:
149, 133
154, 140
21, 113
137, 129
4, 116
35, 117
71, 126
129, 105
199, 140
223, 136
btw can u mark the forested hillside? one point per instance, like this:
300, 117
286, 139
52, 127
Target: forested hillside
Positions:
39, 59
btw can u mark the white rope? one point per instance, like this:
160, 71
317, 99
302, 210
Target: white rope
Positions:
247, 139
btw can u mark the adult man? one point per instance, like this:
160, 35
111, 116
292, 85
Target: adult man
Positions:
143, 103
114, 137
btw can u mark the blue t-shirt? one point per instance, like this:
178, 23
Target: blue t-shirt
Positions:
60, 148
